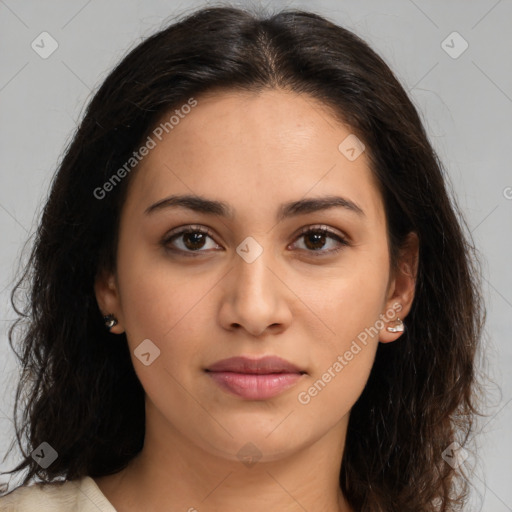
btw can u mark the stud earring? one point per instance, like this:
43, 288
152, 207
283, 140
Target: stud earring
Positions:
110, 320
397, 328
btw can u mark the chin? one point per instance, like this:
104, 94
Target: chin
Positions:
252, 444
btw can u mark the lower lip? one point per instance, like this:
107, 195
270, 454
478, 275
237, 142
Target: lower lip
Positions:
255, 386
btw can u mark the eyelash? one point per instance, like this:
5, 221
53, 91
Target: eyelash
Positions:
305, 231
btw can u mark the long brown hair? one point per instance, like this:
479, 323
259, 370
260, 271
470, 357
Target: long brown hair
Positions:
78, 390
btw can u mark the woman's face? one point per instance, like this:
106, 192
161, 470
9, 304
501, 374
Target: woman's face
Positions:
253, 286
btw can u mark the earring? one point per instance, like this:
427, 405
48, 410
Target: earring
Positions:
398, 328
110, 320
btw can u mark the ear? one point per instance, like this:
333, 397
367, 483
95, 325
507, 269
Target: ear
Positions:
107, 297
401, 288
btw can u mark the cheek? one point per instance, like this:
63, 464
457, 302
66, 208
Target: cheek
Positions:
170, 307
345, 344
164, 306
331, 393
347, 300
342, 361
158, 298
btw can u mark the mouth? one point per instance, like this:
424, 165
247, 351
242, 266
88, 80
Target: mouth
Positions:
255, 379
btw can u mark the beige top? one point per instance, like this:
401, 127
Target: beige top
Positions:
82, 495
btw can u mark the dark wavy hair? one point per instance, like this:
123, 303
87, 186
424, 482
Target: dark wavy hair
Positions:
78, 390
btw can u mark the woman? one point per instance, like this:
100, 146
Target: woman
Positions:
249, 287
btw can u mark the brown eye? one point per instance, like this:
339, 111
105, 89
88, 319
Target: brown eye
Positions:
316, 238
188, 240
194, 240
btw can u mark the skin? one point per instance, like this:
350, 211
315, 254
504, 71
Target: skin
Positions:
253, 151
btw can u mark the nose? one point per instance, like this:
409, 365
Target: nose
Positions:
255, 297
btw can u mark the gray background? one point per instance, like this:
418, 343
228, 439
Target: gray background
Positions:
465, 102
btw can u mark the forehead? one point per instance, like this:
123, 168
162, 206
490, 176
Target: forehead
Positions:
248, 147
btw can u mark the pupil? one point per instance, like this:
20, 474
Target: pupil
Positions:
320, 237
197, 239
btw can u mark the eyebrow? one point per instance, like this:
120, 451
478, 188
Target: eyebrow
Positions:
221, 209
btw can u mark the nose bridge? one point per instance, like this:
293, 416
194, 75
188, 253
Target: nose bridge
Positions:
252, 274
253, 296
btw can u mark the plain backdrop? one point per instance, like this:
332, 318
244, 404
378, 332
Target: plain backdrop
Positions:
461, 83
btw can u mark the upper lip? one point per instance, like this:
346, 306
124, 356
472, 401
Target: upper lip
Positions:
263, 365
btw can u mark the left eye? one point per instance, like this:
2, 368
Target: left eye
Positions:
193, 239
315, 237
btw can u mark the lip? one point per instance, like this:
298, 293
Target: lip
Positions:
255, 379
262, 365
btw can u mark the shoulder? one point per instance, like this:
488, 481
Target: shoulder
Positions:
82, 495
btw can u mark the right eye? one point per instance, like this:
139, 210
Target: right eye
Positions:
187, 240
